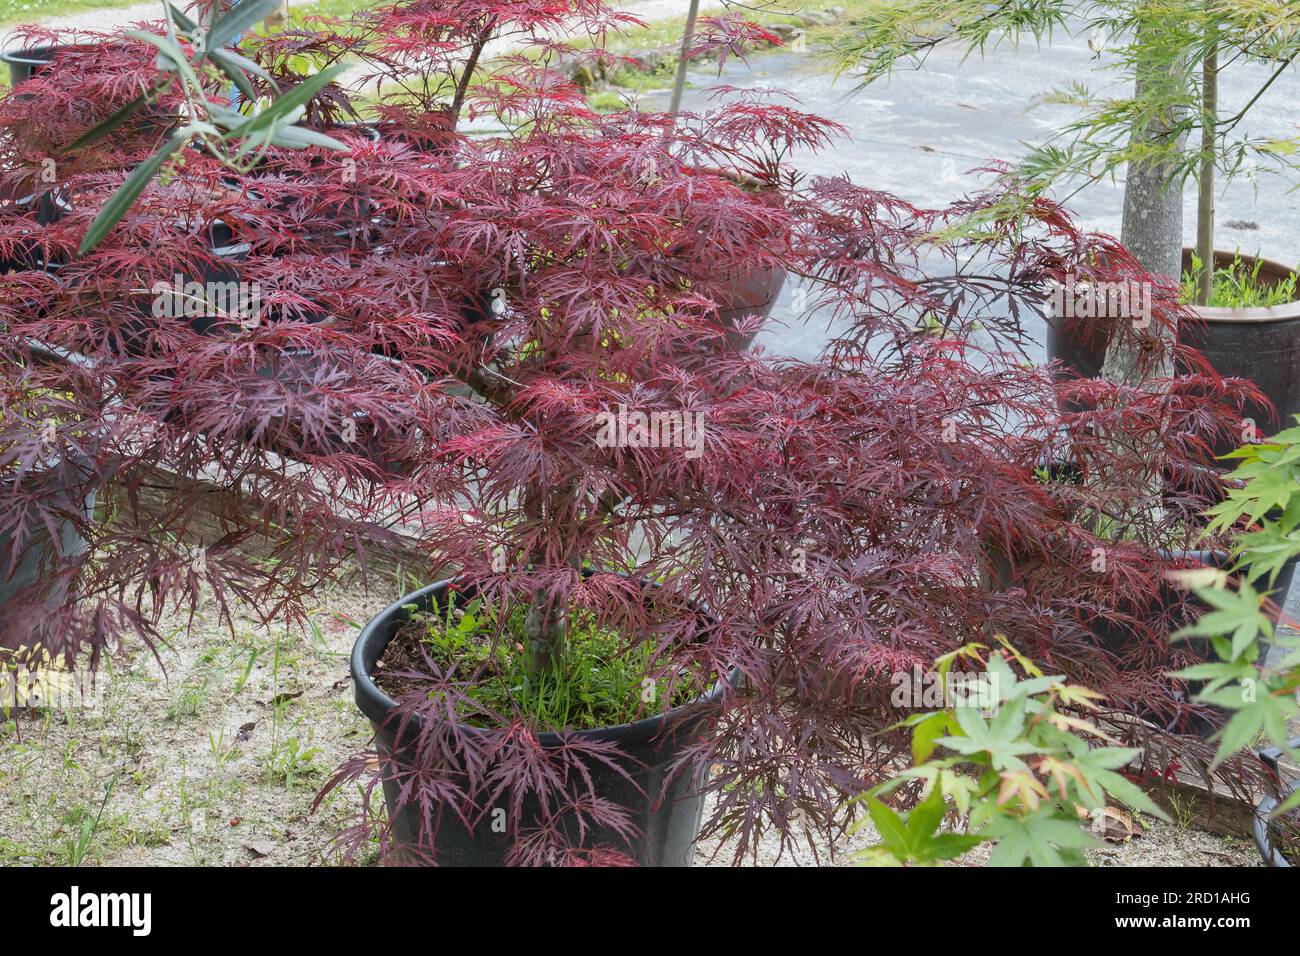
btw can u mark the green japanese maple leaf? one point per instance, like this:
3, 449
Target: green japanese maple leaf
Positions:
1043, 838
1237, 613
915, 838
1255, 712
1097, 766
1000, 737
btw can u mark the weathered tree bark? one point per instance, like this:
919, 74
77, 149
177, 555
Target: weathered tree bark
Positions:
1205, 182
1152, 227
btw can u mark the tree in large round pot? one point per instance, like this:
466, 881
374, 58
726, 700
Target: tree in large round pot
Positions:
1248, 330
1168, 130
629, 518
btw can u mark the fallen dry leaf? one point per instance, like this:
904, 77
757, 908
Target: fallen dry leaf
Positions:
1112, 824
260, 847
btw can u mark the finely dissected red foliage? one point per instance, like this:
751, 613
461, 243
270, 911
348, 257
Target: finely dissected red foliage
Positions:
846, 518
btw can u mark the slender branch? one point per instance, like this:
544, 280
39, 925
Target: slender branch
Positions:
463, 86
679, 83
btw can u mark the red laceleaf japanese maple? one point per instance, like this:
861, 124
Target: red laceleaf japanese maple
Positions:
846, 518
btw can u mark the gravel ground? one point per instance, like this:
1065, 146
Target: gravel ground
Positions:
211, 753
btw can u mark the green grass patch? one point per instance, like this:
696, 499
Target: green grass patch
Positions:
1238, 285
603, 681
14, 12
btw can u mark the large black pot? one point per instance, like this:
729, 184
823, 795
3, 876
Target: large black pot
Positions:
33, 61
62, 483
1116, 637
23, 64
168, 300
22, 252
666, 808
40, 550
1258, 344
1263, 827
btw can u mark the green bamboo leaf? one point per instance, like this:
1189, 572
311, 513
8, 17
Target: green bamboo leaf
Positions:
100, 130
286, 104
237, 20
242, 62
237, 60
169, 49
116, 207
298, 137
184, 22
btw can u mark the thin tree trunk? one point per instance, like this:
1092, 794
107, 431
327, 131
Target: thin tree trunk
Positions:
1152, 230
467, 74
546, 627
679, 83
1205, 182
546, 624
1152, 227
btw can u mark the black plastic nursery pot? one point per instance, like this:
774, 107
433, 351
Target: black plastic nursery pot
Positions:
666, 808
41, 548
1266, 829
39, 551
34, 61
183, 296
1261, 344
19, 250
1117, 637
24, 64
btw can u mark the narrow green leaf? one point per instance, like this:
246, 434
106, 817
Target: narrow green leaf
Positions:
121, 201
181, 20
237, 20
286, 104
298, 137
169, 49
243, 62
100, 130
